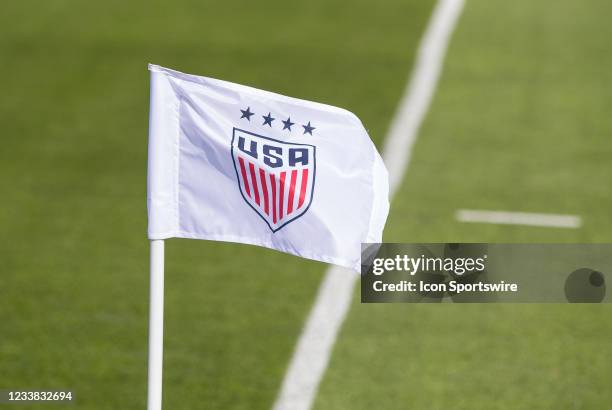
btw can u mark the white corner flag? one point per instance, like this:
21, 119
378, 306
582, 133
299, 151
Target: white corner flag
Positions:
233, 163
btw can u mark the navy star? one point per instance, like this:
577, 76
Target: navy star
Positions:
247, 113
308, 128
288, 124
268, 119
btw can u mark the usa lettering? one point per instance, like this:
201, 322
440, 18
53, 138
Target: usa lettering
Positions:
274, 156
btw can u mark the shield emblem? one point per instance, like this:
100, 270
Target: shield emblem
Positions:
275, 178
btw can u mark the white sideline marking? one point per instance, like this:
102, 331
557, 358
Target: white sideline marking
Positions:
314, 347
519, 218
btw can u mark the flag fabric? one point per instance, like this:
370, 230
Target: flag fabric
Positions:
233, 163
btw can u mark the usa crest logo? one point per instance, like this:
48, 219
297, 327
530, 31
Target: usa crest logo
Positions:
276, 178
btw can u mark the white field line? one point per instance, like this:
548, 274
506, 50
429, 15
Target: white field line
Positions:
314, 347
519, 218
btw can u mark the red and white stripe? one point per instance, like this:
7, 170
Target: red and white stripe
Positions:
278, 194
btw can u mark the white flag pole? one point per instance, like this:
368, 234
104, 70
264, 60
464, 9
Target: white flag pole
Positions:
156, 325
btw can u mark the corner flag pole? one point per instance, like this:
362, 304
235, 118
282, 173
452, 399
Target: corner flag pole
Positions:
156, 325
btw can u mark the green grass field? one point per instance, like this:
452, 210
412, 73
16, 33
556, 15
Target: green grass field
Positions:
519, 123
